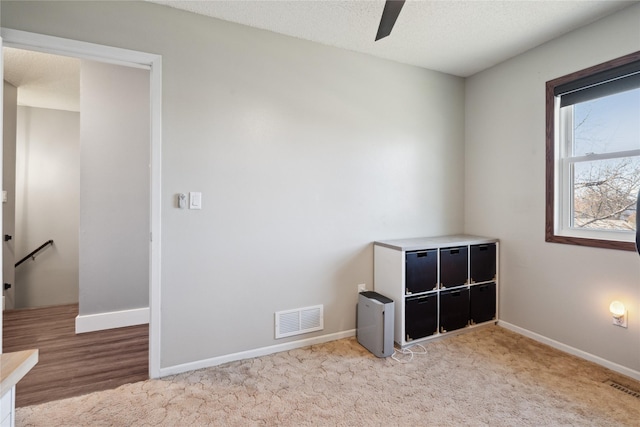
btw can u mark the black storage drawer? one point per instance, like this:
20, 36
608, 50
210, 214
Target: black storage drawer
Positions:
421, 272
482, 303
454, 309
454, 266
421, 316
483, 263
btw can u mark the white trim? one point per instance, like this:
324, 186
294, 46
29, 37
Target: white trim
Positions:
572, 350
603, 156
111, 320
565, 162
263, 351
129, 58
155, 259
1, 173
78, 49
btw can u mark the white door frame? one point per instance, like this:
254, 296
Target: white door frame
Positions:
129, 58
1, 180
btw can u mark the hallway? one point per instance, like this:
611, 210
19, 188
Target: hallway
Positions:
70, 364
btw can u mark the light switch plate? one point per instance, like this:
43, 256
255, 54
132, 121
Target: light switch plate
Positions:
195, 200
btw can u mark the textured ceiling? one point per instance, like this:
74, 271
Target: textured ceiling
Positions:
43, 80
451, 36
455, 37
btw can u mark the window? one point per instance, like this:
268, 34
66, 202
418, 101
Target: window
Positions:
593, 155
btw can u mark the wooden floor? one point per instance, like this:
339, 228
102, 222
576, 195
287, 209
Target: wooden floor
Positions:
70, 364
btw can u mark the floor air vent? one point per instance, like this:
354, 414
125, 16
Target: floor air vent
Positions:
299, 321
620, 387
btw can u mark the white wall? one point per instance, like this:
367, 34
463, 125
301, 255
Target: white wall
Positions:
304, 155
561, 292
114, 188
10, 107
47, 206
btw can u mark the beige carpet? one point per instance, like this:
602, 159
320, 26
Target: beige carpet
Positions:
489, 376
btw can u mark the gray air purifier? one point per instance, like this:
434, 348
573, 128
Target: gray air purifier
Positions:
375, 323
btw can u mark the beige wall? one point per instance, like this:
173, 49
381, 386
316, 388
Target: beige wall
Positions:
10, 109
114, 188
560, 292
47, 206
304, 155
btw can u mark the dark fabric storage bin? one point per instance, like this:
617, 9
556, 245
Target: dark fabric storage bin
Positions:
454, 309
421, 316
482, 303
421, 271
453, 266
483, 263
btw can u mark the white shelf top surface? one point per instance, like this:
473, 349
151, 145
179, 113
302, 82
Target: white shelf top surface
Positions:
418, 243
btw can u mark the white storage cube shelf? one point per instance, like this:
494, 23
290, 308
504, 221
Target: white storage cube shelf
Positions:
431, 281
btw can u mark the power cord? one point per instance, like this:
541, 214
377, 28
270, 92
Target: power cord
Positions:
409, 351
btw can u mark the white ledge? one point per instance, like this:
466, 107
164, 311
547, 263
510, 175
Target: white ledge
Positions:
111, 320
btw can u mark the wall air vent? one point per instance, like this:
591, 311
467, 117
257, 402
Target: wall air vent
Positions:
299, 321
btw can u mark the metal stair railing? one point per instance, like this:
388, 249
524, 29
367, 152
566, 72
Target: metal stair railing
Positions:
33, 253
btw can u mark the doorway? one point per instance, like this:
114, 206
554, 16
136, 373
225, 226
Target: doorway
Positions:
81, 183
41, 179
135, 60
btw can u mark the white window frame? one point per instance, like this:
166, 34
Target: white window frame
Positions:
560, 162
564, 199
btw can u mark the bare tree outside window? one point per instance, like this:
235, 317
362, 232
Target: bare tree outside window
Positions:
605, 194
605, 190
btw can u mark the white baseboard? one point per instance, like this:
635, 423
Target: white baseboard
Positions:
263, 351
571, 350
111, 320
